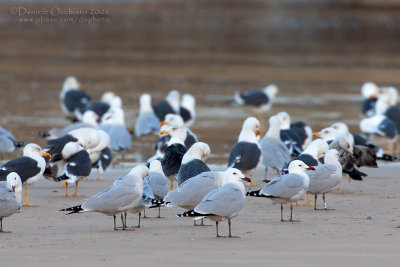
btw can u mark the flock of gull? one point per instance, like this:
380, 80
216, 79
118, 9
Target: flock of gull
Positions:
301, 165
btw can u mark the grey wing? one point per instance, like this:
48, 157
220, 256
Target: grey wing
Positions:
7, 133
158, 183
6, 144
226, 201
274, 153
120, 139
285, 186
113, 199
147, 195
146, 123
8, 203
192, 191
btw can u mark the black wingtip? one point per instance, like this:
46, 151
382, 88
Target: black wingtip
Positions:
191, 213
254, 193
75, 209
158, 203
387, 157
19, 143
43, 134
61, 178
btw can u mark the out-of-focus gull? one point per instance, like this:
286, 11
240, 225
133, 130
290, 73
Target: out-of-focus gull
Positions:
8, 143
123, 195
385, 106
29, 167
188, 109
325, 177
147, 121
224, 203
291, 139
71, 96
77, 166
304, 131
245, 154
114, 125
169, 105
369, 92
10, 196
193, 162
274, 152
101, 155
287, 188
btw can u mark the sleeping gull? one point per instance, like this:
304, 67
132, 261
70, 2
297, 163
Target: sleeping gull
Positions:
188, 109
287, 188
147, 122
224, 203
77, 166
122, 196
169, 105
326, 176
189, 194
274, 152
245, 154
10, 196
29, 167
193, 162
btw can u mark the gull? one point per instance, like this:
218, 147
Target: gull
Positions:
369, 92
122, 196
187, 109
10, 196
147, 121
169, 105
291, 139
157, 181
224, 203
287, 188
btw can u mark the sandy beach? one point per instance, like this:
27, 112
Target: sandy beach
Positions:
361, 230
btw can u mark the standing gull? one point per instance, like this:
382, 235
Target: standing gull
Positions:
287, 188
274, 152
189, 194
29, 167
304, 131
173, 154
193, 162
147, 122
122, 196
259, 100
77, 166
188, 109
114, 125
369, 92
326, 176
245, 154
169, 105
71, 96
157, 181
10, 196
224, 203
291, 139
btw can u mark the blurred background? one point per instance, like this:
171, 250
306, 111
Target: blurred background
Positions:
319, 53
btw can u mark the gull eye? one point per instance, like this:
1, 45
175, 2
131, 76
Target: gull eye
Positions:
234, 173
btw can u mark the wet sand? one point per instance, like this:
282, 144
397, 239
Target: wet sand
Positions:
44, 236
319, 54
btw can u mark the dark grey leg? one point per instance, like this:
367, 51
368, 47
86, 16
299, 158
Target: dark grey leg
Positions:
323, 197
159, 212
315, 202
282, 212
139, 219
144, 214
229, 224
122, 221
1, 224
115, 225
291, 212
216, 224
125, 215
202, 222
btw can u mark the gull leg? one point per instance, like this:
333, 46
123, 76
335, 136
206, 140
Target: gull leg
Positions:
315, 202
140, 214
216, 224
1, 224
144, 214
159, 212
229, 225
323, 197
98, 175
76, 189
64, 183
291, 212
115, 225
27, 200
194, 223
171, 186
298, 204
66, 190
391, 148
122, 221
282, 212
